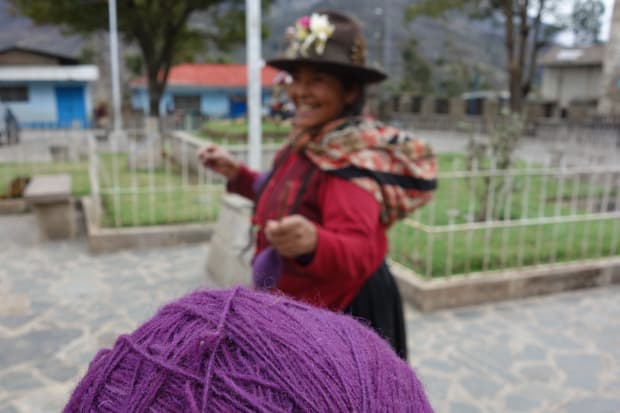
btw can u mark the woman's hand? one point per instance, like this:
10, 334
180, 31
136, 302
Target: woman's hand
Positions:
292, 236
219, 160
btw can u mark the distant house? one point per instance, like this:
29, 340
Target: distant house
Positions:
214, 90
474, 100
572, 76
45, 89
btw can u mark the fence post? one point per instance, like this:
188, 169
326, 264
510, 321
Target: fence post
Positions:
93, 169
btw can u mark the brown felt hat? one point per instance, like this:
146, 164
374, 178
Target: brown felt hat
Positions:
331, 40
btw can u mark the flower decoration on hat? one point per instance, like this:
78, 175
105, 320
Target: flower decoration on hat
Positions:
309, 31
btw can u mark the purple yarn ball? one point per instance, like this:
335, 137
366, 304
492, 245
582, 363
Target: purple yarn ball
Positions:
266, 269
241, 350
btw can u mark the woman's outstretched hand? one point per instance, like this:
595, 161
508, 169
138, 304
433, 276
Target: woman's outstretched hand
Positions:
219, 160
292, 236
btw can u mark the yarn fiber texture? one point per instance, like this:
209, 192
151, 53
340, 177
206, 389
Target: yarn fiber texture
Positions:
241, 350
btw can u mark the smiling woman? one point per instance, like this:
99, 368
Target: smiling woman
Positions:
318, 96
341, 181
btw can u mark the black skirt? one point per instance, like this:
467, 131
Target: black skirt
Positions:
379, 304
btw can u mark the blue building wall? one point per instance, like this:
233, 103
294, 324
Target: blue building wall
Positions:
213, 102
139, 100
41, 108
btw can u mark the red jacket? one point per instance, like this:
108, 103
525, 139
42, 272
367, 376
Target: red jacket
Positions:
351, 239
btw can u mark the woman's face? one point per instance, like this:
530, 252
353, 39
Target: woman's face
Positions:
318, 97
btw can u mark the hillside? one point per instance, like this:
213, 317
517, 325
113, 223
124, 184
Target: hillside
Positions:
448, 40
18, 31
453, 39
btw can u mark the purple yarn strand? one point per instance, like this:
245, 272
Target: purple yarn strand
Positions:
220, 327
189, 394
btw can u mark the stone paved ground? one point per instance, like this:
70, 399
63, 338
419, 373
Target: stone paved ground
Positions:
58, 305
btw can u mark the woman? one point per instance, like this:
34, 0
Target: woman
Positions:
336, 187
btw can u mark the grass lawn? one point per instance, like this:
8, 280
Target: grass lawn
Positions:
169, 202
225, 131
241, 127
491, 249
78, 171
505, 247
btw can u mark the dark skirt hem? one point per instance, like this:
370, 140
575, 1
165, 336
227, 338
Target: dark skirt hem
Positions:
379, 305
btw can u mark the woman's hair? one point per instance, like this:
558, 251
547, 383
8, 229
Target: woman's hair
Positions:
357, 107
244, 350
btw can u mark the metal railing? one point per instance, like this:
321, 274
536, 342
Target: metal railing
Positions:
481, 219
486, 219
143, 180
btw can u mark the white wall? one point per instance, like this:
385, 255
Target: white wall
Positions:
569, 83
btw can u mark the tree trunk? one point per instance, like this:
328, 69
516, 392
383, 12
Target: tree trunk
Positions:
516, 92
154, 96
512, 60
154, 93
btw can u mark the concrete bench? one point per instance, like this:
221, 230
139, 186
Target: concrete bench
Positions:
49, 196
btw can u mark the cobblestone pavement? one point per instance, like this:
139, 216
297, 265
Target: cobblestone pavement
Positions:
59, 304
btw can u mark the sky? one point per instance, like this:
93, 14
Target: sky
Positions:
609, 5
567, 6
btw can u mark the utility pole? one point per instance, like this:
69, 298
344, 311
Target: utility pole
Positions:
116, 88
386, 37
609, 103
254, 63
379, 38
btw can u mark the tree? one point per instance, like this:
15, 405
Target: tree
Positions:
417, 74
497, 153
160, 28
586, 20
524, 33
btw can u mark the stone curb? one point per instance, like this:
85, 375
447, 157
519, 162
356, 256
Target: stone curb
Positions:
13, 206
479, 288
102, 240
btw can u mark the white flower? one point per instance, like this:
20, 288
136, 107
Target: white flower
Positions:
303, 49
308, 31
321, 27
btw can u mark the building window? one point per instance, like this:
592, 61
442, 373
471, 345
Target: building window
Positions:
187, 103
442, 106
13, 93
395, 103
416, 104
474, 106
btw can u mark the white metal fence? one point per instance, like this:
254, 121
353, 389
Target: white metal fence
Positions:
141, 180
486, 219
482, 218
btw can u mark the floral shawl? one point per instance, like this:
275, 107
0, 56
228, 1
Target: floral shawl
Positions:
398, 169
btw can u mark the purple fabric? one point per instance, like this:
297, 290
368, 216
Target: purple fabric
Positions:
244, 350
266, 269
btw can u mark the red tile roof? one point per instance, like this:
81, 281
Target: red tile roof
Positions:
212, 75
